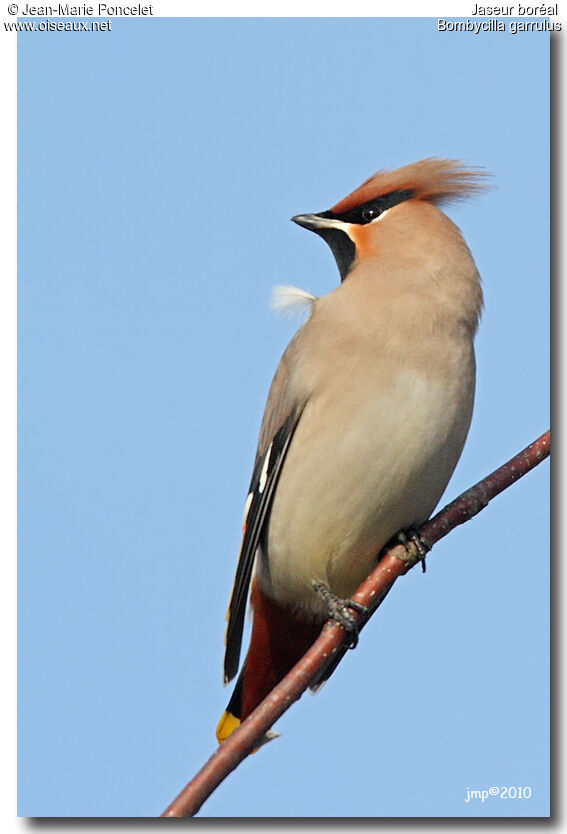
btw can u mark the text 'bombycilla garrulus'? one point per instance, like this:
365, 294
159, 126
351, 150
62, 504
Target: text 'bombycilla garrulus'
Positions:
366, 417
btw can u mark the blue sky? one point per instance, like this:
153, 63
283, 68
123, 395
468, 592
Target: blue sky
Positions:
158, 167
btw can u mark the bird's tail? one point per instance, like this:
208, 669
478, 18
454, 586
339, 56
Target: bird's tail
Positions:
279, 639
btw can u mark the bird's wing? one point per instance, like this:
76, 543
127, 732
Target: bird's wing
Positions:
282, 414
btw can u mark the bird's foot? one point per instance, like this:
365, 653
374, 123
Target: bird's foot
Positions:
340, 610
422, 546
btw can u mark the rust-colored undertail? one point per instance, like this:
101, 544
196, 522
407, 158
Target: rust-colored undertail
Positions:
280, 637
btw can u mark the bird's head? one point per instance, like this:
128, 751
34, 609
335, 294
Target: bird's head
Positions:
354, 228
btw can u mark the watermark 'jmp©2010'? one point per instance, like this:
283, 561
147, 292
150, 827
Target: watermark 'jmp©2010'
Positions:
510, 792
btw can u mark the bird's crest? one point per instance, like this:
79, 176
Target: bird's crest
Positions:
436, 180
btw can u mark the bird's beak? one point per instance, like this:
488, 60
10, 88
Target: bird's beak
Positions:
318, 222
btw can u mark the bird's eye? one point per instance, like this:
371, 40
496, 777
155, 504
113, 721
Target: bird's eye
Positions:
369, 213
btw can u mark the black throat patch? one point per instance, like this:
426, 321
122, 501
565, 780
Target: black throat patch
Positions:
342, 248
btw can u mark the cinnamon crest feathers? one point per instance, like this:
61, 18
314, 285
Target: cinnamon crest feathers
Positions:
438, 180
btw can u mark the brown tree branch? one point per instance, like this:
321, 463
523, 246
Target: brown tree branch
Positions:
396, 561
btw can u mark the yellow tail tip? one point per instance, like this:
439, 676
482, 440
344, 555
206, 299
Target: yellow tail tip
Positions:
226, 726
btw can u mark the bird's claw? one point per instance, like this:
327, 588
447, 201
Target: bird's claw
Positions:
422, 546
340, 610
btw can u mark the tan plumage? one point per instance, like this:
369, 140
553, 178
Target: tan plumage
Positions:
380, 380
385, 369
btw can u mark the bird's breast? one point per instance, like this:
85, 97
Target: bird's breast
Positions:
372, 454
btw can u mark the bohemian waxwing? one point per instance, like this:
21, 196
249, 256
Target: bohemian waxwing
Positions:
366, 416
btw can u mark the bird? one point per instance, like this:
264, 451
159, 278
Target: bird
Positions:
365, 420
